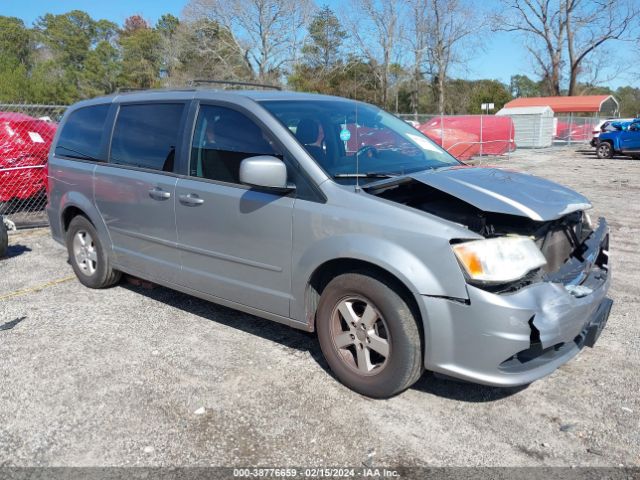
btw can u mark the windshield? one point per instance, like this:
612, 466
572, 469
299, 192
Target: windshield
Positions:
351, 139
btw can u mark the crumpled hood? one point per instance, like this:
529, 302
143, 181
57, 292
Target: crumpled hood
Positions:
505, 191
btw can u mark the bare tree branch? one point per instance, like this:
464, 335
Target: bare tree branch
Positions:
575, 28
542, 23
375, 28
450, 25
268, 32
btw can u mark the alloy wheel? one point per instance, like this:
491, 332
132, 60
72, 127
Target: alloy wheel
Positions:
84, 252
360, 335
604, 150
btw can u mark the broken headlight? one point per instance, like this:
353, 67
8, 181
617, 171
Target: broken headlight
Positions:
499, 260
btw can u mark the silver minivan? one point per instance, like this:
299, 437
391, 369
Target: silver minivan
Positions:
331, 215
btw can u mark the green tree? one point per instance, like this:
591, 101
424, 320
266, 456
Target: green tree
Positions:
141, 57
101, 67
323, 47
15, 53
167, 25
68, 36
488, 91
523, 86
323, 68
15, 40
105, 31
79, 52
101, 71
51, 83
466, 96
14, 82
629, 98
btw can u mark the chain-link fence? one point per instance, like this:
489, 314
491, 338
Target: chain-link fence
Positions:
26, 133
569, 129
467, 136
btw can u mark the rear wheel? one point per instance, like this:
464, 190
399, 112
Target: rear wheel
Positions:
604, 150
4, 238
369, 335
87, 255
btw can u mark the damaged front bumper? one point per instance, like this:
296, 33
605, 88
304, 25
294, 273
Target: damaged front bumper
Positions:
515, 338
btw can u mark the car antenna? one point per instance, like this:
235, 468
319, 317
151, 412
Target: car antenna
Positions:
355, 127
357, 156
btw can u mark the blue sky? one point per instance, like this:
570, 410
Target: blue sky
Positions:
502, 55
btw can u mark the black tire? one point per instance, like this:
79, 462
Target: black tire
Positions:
92, 274
397, 325
4, 239
604, 150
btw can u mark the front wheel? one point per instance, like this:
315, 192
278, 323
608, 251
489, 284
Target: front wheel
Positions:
604, 150
369, 335
88, 257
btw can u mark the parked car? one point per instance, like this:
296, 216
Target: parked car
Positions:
607, 125
4, 238
24, 146
625, 141
399, 257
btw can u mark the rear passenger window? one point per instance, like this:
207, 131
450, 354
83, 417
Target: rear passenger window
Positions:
222, 139
146, 136
82, 132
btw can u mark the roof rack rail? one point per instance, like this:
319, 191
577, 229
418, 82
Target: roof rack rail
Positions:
129, 89
228, 82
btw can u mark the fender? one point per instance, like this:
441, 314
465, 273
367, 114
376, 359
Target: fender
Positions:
616, 143
393, 258
80, 201
613, 138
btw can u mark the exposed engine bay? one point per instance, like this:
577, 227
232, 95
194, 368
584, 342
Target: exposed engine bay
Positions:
559, 239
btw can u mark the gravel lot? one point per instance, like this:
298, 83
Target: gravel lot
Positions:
147, 376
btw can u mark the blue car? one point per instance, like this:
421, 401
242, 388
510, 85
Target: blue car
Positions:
625, 141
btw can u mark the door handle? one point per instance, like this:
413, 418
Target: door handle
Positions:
158, 194
191, 200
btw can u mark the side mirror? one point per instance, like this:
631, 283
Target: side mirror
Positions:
264, 171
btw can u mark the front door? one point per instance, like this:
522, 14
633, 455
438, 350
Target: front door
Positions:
630, 138
135, 191
235, 242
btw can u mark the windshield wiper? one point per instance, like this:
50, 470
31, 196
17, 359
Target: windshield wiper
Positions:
365, 175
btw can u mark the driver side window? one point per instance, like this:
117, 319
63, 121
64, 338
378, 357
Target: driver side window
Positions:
222, 139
